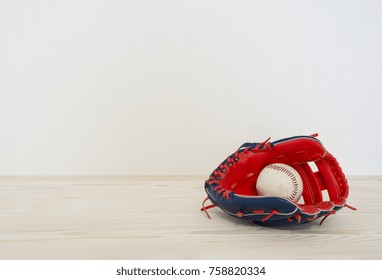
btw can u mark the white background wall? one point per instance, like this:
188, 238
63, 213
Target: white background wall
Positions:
173, 87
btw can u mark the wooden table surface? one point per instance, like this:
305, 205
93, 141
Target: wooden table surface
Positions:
159, 218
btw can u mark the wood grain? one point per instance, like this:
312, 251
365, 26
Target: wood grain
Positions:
159, 218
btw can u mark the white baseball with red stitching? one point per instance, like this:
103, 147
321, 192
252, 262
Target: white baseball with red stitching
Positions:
280, 180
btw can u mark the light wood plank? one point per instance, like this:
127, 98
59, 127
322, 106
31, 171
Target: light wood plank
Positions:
159, 218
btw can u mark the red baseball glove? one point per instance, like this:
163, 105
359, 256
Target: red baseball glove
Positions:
232, 185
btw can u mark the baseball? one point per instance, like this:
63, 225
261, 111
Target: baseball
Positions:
280, 180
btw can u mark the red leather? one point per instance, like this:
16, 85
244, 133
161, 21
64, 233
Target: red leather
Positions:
242, 176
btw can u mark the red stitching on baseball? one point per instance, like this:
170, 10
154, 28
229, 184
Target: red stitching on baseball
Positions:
290, 175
